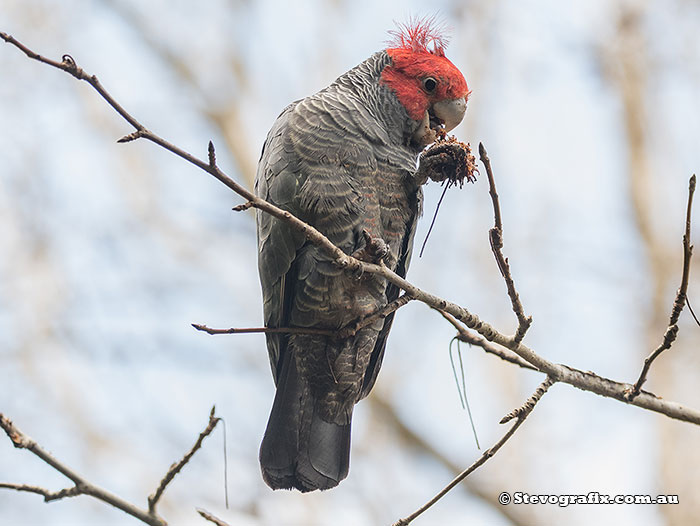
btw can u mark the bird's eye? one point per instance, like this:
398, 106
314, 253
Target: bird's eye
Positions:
429, 84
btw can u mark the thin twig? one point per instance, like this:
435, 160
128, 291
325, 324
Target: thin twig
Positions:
345, 332
177, 467
47, 494
265, 330
211, 518
681, 295
523, 413
496, 241
497, 222
529, 403
82, 486
211, 154
242, 208
687, 255
586, 381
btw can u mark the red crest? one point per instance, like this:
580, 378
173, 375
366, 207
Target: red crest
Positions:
424, 35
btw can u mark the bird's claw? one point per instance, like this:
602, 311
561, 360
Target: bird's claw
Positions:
374, 250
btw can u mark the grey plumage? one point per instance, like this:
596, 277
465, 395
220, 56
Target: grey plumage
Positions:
341, 160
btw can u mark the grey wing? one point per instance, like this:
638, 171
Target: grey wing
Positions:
392, 292
300, 170
277, 181
312, 163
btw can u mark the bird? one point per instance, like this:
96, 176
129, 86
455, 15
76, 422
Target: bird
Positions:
344, 160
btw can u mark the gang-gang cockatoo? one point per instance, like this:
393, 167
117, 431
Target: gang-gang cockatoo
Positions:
344, 160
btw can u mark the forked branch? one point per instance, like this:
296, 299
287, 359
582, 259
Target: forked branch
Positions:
177, 466
81, 485
681, 298
496, 241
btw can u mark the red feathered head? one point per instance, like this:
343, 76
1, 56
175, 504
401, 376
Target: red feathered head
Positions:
426, 83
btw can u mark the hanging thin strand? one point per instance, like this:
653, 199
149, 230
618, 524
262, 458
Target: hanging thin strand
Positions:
692, 312
434, 218
466, 400
225, 466
454, 371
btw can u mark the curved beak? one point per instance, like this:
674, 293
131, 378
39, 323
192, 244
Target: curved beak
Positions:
450, 112
446, 114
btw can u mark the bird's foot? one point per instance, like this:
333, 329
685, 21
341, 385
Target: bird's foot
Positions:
374, 251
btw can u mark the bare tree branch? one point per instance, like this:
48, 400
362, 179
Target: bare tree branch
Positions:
47, 494
678, 304
520, 414
265, 330
82, 486
345, 332
226, 117
177, 467
589, 381
496, 241
583, 380
472, 339
530, 403
211, 518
